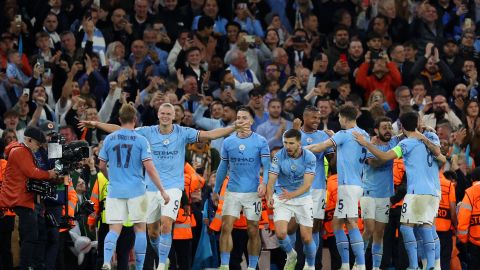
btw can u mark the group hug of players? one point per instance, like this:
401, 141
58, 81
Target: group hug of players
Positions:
293, 184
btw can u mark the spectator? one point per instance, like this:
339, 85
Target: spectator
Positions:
50, 26
441, 111
210, 9
433, 71
472, 120
426, 19
299, 50
157, 55
458, 100
275, 126
339, 44
245, 79
419, 96
247, 21
384, 76
120, 30
452, 57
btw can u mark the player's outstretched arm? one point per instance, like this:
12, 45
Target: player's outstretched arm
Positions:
109, 128
320, 147
152, 172
382, 156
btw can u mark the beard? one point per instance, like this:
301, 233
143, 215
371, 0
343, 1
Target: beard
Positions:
385, 137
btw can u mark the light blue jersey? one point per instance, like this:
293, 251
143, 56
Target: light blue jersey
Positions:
350, 156
291, 171
125, 151
243, 156
420, 165
309, 138
169, 154
378, 181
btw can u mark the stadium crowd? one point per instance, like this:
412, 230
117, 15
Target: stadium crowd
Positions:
200, 70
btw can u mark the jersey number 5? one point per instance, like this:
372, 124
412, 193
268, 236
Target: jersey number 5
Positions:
119, 154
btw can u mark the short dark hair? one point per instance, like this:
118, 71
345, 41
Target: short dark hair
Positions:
355, 99
234, 24
232, 105
310, 108
205, 22
246, 109
382, 119
348, 111
274, 100
292, 133
409, 121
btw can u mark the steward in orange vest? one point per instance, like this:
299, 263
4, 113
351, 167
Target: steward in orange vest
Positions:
446, 220
469, 220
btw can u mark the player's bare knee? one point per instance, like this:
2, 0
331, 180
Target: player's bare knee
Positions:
252, 230
226, 228
307, 238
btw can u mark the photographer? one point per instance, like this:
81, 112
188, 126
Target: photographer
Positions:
22, 167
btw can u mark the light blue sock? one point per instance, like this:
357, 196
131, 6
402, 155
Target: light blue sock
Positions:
293, 238
225, 258
165, 244
410, 245
286, 244
342, 245
356, 242
140, 249
428, 245
377, 252
109, 246
252, 261
437, 243
316, 239
418, 236
155, 242
310, 251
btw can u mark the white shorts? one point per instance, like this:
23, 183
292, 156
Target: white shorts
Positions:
154, 211
318, 197
419, 209
375, 208
235, 202
300, 208
119, 211
348, 197
171, 209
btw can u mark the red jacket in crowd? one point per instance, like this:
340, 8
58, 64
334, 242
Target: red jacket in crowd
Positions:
387, 84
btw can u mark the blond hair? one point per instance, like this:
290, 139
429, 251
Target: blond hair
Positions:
127, 113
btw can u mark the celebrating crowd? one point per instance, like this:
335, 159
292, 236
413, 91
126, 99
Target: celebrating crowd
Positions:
268, 134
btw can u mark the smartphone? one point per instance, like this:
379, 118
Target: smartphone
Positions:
18, 19
242, 6
48, 72
299, 39
26, 92
249, 38
343, 57
90, 151
333, 84
41, 62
